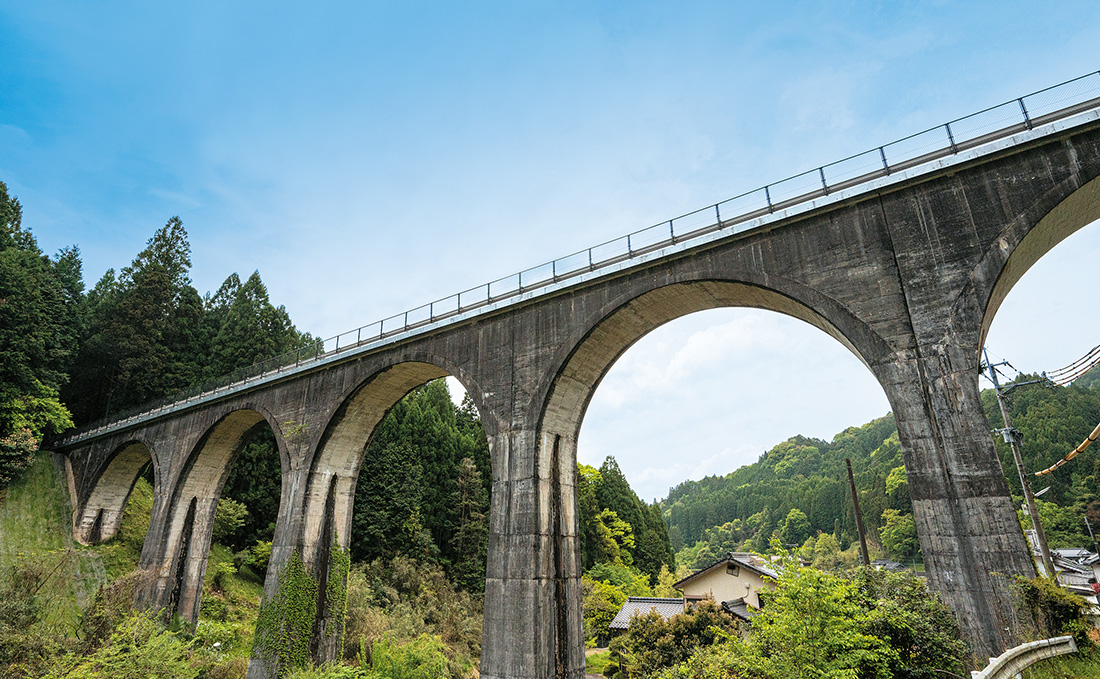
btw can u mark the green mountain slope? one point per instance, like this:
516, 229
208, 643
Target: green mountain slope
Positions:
746, 508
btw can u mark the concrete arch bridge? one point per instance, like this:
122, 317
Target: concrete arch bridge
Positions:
902, 254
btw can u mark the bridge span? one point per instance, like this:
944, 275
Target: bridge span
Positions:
903, 254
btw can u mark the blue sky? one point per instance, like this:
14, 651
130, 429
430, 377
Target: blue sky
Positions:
367, 157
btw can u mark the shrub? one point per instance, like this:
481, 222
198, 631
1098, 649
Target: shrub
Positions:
654, 643
138, 647
1053, 610
255, 558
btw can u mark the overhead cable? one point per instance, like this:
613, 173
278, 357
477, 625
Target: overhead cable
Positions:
1063, 376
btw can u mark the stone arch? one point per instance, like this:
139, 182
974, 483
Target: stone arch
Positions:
100, 516
346, 436
610, 335
330, 484
1021, 245
178, 559
582, 366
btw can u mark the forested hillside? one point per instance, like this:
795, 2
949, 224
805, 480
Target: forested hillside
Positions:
799, 488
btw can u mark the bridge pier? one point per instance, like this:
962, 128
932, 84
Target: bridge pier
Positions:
969, 535
532, 626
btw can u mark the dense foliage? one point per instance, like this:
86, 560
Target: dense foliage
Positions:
146, 332
39, 321
798, 491
424, 486
818, 624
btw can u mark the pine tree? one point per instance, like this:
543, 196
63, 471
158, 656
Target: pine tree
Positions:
470, 541
39, 302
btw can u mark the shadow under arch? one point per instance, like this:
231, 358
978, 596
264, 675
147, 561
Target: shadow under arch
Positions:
611, 335
178, 556
101, 514
1074, 212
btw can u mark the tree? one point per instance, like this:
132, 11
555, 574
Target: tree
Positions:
255, 480
249, 328
39, 301
796, 528
899, 535
143, 338
812, 619
470, 540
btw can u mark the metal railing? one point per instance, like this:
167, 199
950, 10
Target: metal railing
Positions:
998, 122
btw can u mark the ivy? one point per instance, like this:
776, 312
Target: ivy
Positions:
285, 622
284, 626
336, 595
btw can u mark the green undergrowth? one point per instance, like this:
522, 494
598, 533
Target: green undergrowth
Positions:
595, 663
35, 532
230, 604
1081, 665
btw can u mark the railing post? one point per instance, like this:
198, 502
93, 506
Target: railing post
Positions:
406, 320
380, 324
337, 349
671, 232
1023, 109
717, 215
554, 270
629, 250
460, 302
885, 165
431, 312
951, 138
359, 335
519, 277
824, 186
589, 259
768, 197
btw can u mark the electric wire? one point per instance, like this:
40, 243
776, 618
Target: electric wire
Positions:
1063, 376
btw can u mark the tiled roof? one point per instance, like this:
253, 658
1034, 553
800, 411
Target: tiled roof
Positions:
641, 605
750, 561
739, 609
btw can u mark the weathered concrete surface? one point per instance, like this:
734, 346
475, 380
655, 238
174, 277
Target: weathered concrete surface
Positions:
908, 279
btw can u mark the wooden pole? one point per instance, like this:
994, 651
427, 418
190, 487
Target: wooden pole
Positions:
859, 515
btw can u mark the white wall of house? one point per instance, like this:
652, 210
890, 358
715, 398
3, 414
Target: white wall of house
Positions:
725, 582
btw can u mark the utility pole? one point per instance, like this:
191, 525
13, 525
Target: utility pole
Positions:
1012, 437
859, 515
1091, 535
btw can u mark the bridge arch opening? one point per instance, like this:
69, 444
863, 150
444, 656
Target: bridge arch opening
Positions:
179, 555
688, 326
101, 515
1040, 317
386, 480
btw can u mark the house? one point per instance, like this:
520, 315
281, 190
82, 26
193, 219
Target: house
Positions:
640, 605
734, 581
1078, 570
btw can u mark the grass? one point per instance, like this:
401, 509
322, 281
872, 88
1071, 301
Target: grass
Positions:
1082, 665
35, 524
595, 663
